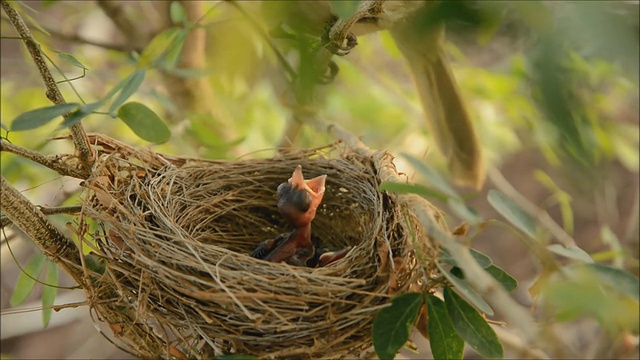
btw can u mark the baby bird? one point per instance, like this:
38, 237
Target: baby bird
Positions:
298, 200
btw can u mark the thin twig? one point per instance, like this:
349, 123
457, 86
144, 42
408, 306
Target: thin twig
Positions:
83, 150
265, 36
77, 38
66, 165
74, 209
541, 216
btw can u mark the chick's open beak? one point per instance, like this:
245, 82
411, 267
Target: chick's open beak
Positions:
315, 187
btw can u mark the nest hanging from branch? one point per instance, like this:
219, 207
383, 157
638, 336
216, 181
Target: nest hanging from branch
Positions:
176, 235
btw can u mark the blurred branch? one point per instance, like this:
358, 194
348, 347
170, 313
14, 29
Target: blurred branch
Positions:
541, 216
80, 140
77, 38
62, 164
137, 39
35, 224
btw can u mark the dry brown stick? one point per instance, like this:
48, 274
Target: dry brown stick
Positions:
84, 152
35, 224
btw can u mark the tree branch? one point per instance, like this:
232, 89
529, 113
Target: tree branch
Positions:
137, 39
73, 209
34, 223
77, 38
80, 140
62, 164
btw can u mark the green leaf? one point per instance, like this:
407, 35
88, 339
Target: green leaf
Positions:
392, 324
443, 338
571, 252
94, 263
403, 188
27, 279
472, 327
482, 259
507, 281
177, 13
129, 86
49, 292
434, 178
617, 279
512, 212
81, 113
164, 47
70, 59
144, 122
464, 289
38, 117
344, 9
580, 291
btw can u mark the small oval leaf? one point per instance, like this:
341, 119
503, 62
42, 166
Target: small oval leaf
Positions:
617, 279
71, 60
81, 113
392, 324
512, 212
403, 188
571, 252
49, 292
466, 290
38, 117
177, 13
443, 338
27, 279
161, 46
482, 259
144, 122
507, 281
432, 176
472, 327
129, 86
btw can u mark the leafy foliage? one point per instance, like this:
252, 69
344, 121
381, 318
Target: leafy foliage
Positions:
392, 324
472, 327
443, 338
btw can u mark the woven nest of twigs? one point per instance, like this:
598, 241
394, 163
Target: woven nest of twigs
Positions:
175, 237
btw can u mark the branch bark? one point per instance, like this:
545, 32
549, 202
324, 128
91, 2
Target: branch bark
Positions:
62, 164
136, 39
80, 140
35, 224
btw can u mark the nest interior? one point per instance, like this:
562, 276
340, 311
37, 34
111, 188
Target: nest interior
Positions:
176, 235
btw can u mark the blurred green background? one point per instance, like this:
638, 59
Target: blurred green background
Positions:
552, 89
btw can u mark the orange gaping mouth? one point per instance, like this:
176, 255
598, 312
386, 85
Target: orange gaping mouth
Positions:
315, 187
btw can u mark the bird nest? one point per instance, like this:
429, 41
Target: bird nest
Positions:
175, 237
